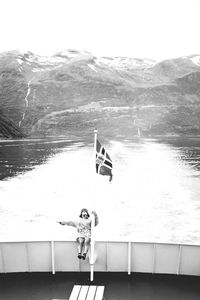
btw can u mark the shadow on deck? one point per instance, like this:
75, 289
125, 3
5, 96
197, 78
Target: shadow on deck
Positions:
118, 286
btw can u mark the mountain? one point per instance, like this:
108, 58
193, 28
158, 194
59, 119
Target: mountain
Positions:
72, 92
8, 129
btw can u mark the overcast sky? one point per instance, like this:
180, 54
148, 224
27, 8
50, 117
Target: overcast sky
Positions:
155, 29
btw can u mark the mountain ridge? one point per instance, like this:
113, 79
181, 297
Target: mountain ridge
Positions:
72, 92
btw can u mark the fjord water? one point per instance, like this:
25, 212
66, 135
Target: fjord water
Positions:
154, 195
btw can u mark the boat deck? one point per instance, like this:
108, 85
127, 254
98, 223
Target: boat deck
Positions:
118, 286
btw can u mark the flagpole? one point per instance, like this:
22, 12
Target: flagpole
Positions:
95, 143
93, 220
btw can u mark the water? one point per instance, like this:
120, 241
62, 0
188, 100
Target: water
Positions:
154, 195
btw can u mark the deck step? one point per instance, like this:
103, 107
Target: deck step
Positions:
99, 293
87, 292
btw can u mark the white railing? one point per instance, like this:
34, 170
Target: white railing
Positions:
130, 257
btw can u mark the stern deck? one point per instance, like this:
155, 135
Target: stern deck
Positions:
118, 286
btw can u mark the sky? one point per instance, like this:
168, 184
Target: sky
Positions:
154, 29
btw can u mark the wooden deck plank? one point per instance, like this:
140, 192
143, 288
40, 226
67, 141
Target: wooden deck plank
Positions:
75, 292
91, 292
83, 292
99, 293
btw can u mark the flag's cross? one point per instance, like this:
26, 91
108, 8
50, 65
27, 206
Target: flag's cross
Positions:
103, 158
100, 160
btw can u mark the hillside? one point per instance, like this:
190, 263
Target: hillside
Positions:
72, 92
8, 129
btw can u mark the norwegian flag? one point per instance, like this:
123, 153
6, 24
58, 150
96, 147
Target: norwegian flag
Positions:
103, 161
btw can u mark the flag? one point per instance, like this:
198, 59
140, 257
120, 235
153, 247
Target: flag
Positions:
103, 161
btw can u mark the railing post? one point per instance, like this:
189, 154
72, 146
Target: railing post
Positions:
52, 257
129, 258
2, 257
92, 250
27, 257
154, 258
179, 260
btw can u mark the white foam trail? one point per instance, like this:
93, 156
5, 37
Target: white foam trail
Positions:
150, 198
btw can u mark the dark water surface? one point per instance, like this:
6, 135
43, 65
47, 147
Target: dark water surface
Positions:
19, 156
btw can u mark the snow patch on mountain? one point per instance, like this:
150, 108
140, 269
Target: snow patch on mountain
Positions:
75, 56
70, 53
196, 60
122, 63
45, 60
92, 67
20, 61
